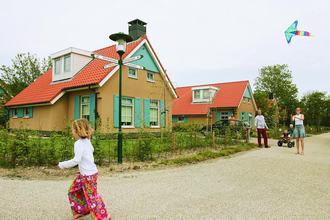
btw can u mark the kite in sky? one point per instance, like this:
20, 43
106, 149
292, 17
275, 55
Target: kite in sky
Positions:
292, 31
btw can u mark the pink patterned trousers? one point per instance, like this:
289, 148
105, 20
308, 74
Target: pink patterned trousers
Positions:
84, 198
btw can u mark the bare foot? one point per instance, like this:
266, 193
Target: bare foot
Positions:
302, 153
297, 153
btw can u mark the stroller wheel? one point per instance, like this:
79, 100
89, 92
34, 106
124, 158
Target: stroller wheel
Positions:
290, 144
279, 143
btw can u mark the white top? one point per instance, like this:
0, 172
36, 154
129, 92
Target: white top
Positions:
298, 120
260, 122
83, 157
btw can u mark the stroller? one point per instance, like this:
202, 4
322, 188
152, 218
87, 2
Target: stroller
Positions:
286, 138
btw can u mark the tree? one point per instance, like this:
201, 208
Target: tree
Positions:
267, 106
316, 108
326, 120
277, 80
24, 70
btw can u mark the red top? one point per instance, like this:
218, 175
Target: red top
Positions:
43, 90
229, 95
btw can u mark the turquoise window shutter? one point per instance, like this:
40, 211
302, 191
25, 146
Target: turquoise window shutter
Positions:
185, 119
175, 119
146, 113
76, 113
242, 116
217, 115
137, 112
30, 112
116, 112
162, 114
92, 109
20, 113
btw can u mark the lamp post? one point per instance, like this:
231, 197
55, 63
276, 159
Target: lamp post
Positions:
121, 40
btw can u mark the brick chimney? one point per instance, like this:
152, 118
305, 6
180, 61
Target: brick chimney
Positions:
137, 28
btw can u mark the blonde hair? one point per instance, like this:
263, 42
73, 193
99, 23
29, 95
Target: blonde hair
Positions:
82, 128
298, 109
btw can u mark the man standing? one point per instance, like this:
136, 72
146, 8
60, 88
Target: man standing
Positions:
262, 127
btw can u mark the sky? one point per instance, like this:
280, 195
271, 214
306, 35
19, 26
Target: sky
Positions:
198, 41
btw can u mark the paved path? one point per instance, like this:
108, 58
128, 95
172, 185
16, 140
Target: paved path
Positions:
262, 184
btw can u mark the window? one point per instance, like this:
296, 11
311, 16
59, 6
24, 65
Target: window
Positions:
26, 112
154, 112
206, 94
15, 113
132, 73
181, 119
85, 107
67, 63
150, 76
58, 66
127, 112
246, 99
197, 94
203, 95
224, 115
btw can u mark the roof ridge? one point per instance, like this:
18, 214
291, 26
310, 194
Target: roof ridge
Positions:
210, 84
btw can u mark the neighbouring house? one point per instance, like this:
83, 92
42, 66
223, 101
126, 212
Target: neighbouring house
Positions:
206, 104
78, 86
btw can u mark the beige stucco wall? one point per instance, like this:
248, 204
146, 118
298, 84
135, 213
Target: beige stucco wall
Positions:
45, 118
246, 107
132, 87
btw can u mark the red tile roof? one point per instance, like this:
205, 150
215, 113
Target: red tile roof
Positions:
42, 90
228, 96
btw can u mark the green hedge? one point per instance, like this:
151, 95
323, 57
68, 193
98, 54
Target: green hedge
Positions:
30, 148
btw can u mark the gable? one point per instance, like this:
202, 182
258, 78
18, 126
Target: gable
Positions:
248, 93
147, 61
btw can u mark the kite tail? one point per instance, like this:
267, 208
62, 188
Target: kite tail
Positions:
303, 33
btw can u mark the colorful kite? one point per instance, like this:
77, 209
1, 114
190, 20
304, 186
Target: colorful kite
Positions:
292, 31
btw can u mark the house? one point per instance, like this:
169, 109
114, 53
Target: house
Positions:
78, 86
206, 104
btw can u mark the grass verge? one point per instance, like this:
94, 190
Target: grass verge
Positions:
185, 158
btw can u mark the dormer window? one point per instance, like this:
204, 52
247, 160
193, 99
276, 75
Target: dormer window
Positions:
58, 66
203, 94
68, 62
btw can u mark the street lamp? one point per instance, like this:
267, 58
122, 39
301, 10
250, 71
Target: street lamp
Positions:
121, 40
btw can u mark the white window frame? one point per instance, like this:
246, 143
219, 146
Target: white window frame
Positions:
15, 113
225, 116
153, 76
58, 71
81, 106
133, 114
65, 57
132, 76
26, 110
209, 89
158, 114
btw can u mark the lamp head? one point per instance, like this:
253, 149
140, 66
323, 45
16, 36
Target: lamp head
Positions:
121, 40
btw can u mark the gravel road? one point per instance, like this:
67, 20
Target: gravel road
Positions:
260, 184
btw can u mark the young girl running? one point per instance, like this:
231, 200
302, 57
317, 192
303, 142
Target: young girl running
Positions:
83, 196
